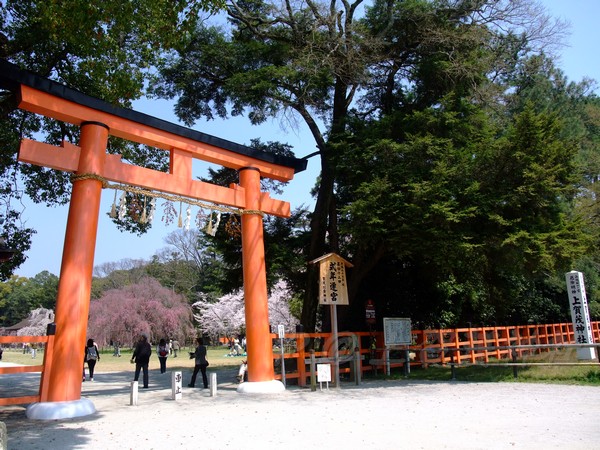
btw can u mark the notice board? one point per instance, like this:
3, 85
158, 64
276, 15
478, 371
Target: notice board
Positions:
396, 331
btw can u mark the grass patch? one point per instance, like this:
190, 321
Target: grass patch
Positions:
557, 374
109, 363
585, 375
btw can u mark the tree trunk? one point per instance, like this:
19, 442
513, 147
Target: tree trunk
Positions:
324, 219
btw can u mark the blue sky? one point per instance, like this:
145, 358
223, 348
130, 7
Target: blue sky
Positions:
579, 59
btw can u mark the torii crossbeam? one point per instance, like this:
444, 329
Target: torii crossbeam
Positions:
60, 391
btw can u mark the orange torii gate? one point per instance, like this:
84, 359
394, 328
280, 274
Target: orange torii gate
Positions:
60, 392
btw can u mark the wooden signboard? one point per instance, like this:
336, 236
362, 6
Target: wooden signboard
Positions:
332, 279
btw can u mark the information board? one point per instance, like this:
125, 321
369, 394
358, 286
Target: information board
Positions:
396, 331
323, 373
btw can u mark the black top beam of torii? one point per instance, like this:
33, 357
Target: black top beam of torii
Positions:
12, 77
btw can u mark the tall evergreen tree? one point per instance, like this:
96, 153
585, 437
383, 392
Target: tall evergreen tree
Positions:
329, 64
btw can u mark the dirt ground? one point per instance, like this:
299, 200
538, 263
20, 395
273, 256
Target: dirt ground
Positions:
374, 415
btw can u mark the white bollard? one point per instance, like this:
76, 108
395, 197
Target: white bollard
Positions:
3, 436
133, 397
213, 384
176, 382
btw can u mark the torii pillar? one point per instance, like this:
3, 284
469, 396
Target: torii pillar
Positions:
259, 344
63, 391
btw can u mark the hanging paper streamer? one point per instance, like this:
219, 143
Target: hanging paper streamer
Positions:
218, 221
122, 206
209, 227
143, 219
199, 220
188, 218
113, 210
152, 209
179, 222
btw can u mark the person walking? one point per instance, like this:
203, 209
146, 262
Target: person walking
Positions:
141, 357
163, 352
175, 347
91, 356
200, 364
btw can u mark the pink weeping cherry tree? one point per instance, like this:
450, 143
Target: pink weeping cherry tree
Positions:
120, 315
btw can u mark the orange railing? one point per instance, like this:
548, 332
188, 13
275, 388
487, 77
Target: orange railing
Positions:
441, 346
48, 342
366, 351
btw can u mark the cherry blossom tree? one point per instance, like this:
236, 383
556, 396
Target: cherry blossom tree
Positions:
279, 307
146, 307
226, 316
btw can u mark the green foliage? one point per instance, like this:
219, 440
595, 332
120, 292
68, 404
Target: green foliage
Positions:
482, 212
104, 49
19, 296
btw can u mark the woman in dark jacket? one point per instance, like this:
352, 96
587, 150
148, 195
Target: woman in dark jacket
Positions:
200, 364
163, 352
141, 356
90, 357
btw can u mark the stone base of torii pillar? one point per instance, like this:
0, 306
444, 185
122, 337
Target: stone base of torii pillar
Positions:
261, 387
60, 410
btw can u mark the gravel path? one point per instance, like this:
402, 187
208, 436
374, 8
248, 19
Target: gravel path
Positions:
376, 414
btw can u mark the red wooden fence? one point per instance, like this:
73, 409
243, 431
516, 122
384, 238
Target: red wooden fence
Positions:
428, 346
48, 341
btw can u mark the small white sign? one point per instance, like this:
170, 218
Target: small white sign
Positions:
323, 373
176, 382
281, 331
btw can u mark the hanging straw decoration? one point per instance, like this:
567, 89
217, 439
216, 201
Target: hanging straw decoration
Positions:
180, 220
188, 218
212, 229
113, 209
122, 206
137, 212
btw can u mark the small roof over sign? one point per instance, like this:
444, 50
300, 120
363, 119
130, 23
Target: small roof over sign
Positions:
333, 256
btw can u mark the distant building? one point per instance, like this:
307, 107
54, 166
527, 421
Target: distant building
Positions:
34, 325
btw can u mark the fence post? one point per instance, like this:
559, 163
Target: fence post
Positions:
407, 362
133, 395
48, 358
213, 384
387, 361
357, 368
514, 360
301, 365
471, 345
486, 355
313, 376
